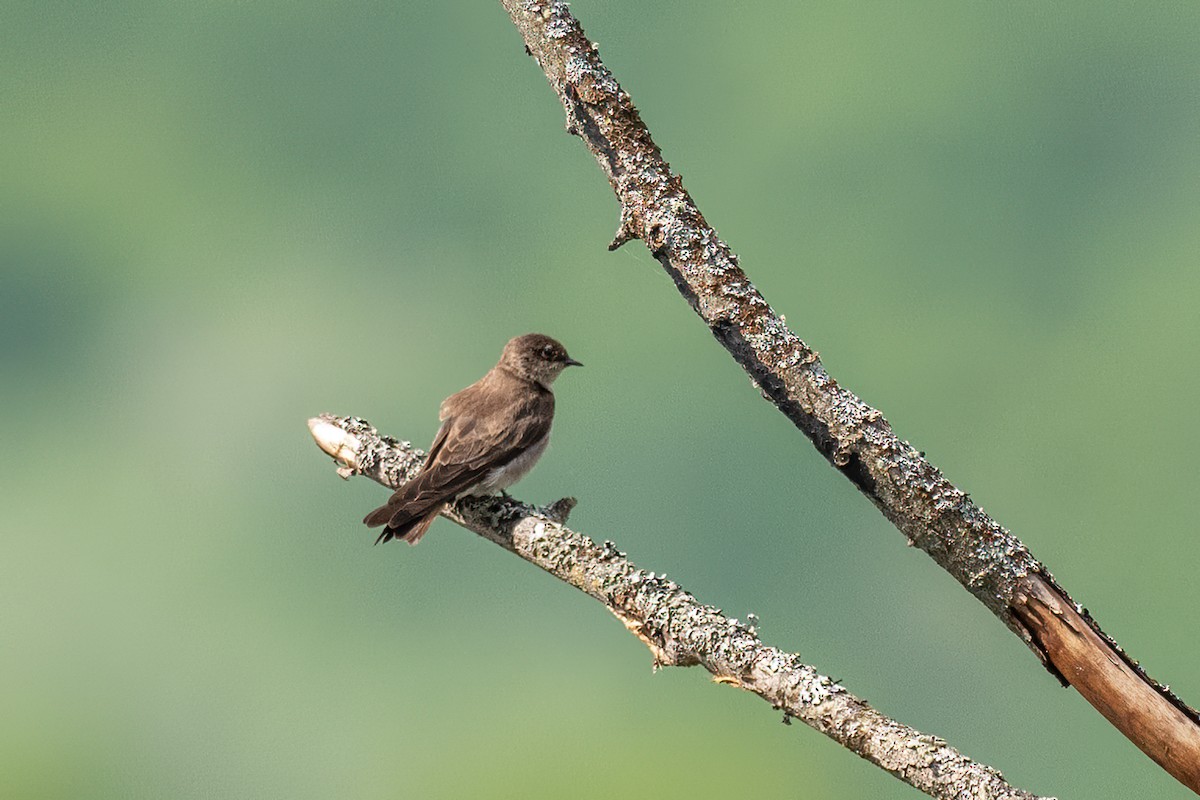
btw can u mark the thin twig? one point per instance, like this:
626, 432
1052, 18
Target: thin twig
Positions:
930, 511
678, 629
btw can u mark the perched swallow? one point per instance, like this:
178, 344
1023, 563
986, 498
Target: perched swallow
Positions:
492, 434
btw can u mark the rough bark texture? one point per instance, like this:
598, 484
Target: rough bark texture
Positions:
678, 629
929, 510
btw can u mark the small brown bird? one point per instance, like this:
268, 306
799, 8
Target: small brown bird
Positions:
492, 434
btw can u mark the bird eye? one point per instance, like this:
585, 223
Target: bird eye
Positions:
548, 352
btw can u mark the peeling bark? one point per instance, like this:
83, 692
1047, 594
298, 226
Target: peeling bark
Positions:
931, 512
677, 628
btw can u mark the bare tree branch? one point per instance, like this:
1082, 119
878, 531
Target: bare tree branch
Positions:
678, 629
929, 510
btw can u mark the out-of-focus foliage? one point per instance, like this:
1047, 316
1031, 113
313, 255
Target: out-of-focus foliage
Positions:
218, 219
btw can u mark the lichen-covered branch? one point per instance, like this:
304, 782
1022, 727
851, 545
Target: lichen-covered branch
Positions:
678, 629
930, 511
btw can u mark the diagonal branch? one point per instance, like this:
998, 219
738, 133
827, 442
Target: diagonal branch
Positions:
930, 511
678, 629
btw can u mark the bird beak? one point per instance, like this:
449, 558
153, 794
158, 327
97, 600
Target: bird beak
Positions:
570, 362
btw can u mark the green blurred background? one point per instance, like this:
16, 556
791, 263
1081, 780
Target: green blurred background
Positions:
218, 219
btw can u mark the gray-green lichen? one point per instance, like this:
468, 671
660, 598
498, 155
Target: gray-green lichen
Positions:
928, 510
682, 631
932, 513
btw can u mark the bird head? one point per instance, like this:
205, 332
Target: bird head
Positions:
537, 358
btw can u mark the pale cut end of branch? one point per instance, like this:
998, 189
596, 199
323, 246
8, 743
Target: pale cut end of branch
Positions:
1116, 687
337, 442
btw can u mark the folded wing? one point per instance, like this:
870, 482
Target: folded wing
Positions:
477, 435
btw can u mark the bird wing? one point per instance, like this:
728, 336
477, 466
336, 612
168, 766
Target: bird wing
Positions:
475, 438
472, 446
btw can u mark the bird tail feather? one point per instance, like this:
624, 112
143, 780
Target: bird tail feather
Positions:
379, 516
402, 523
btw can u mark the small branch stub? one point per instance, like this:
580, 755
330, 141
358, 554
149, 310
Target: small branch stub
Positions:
625, 231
